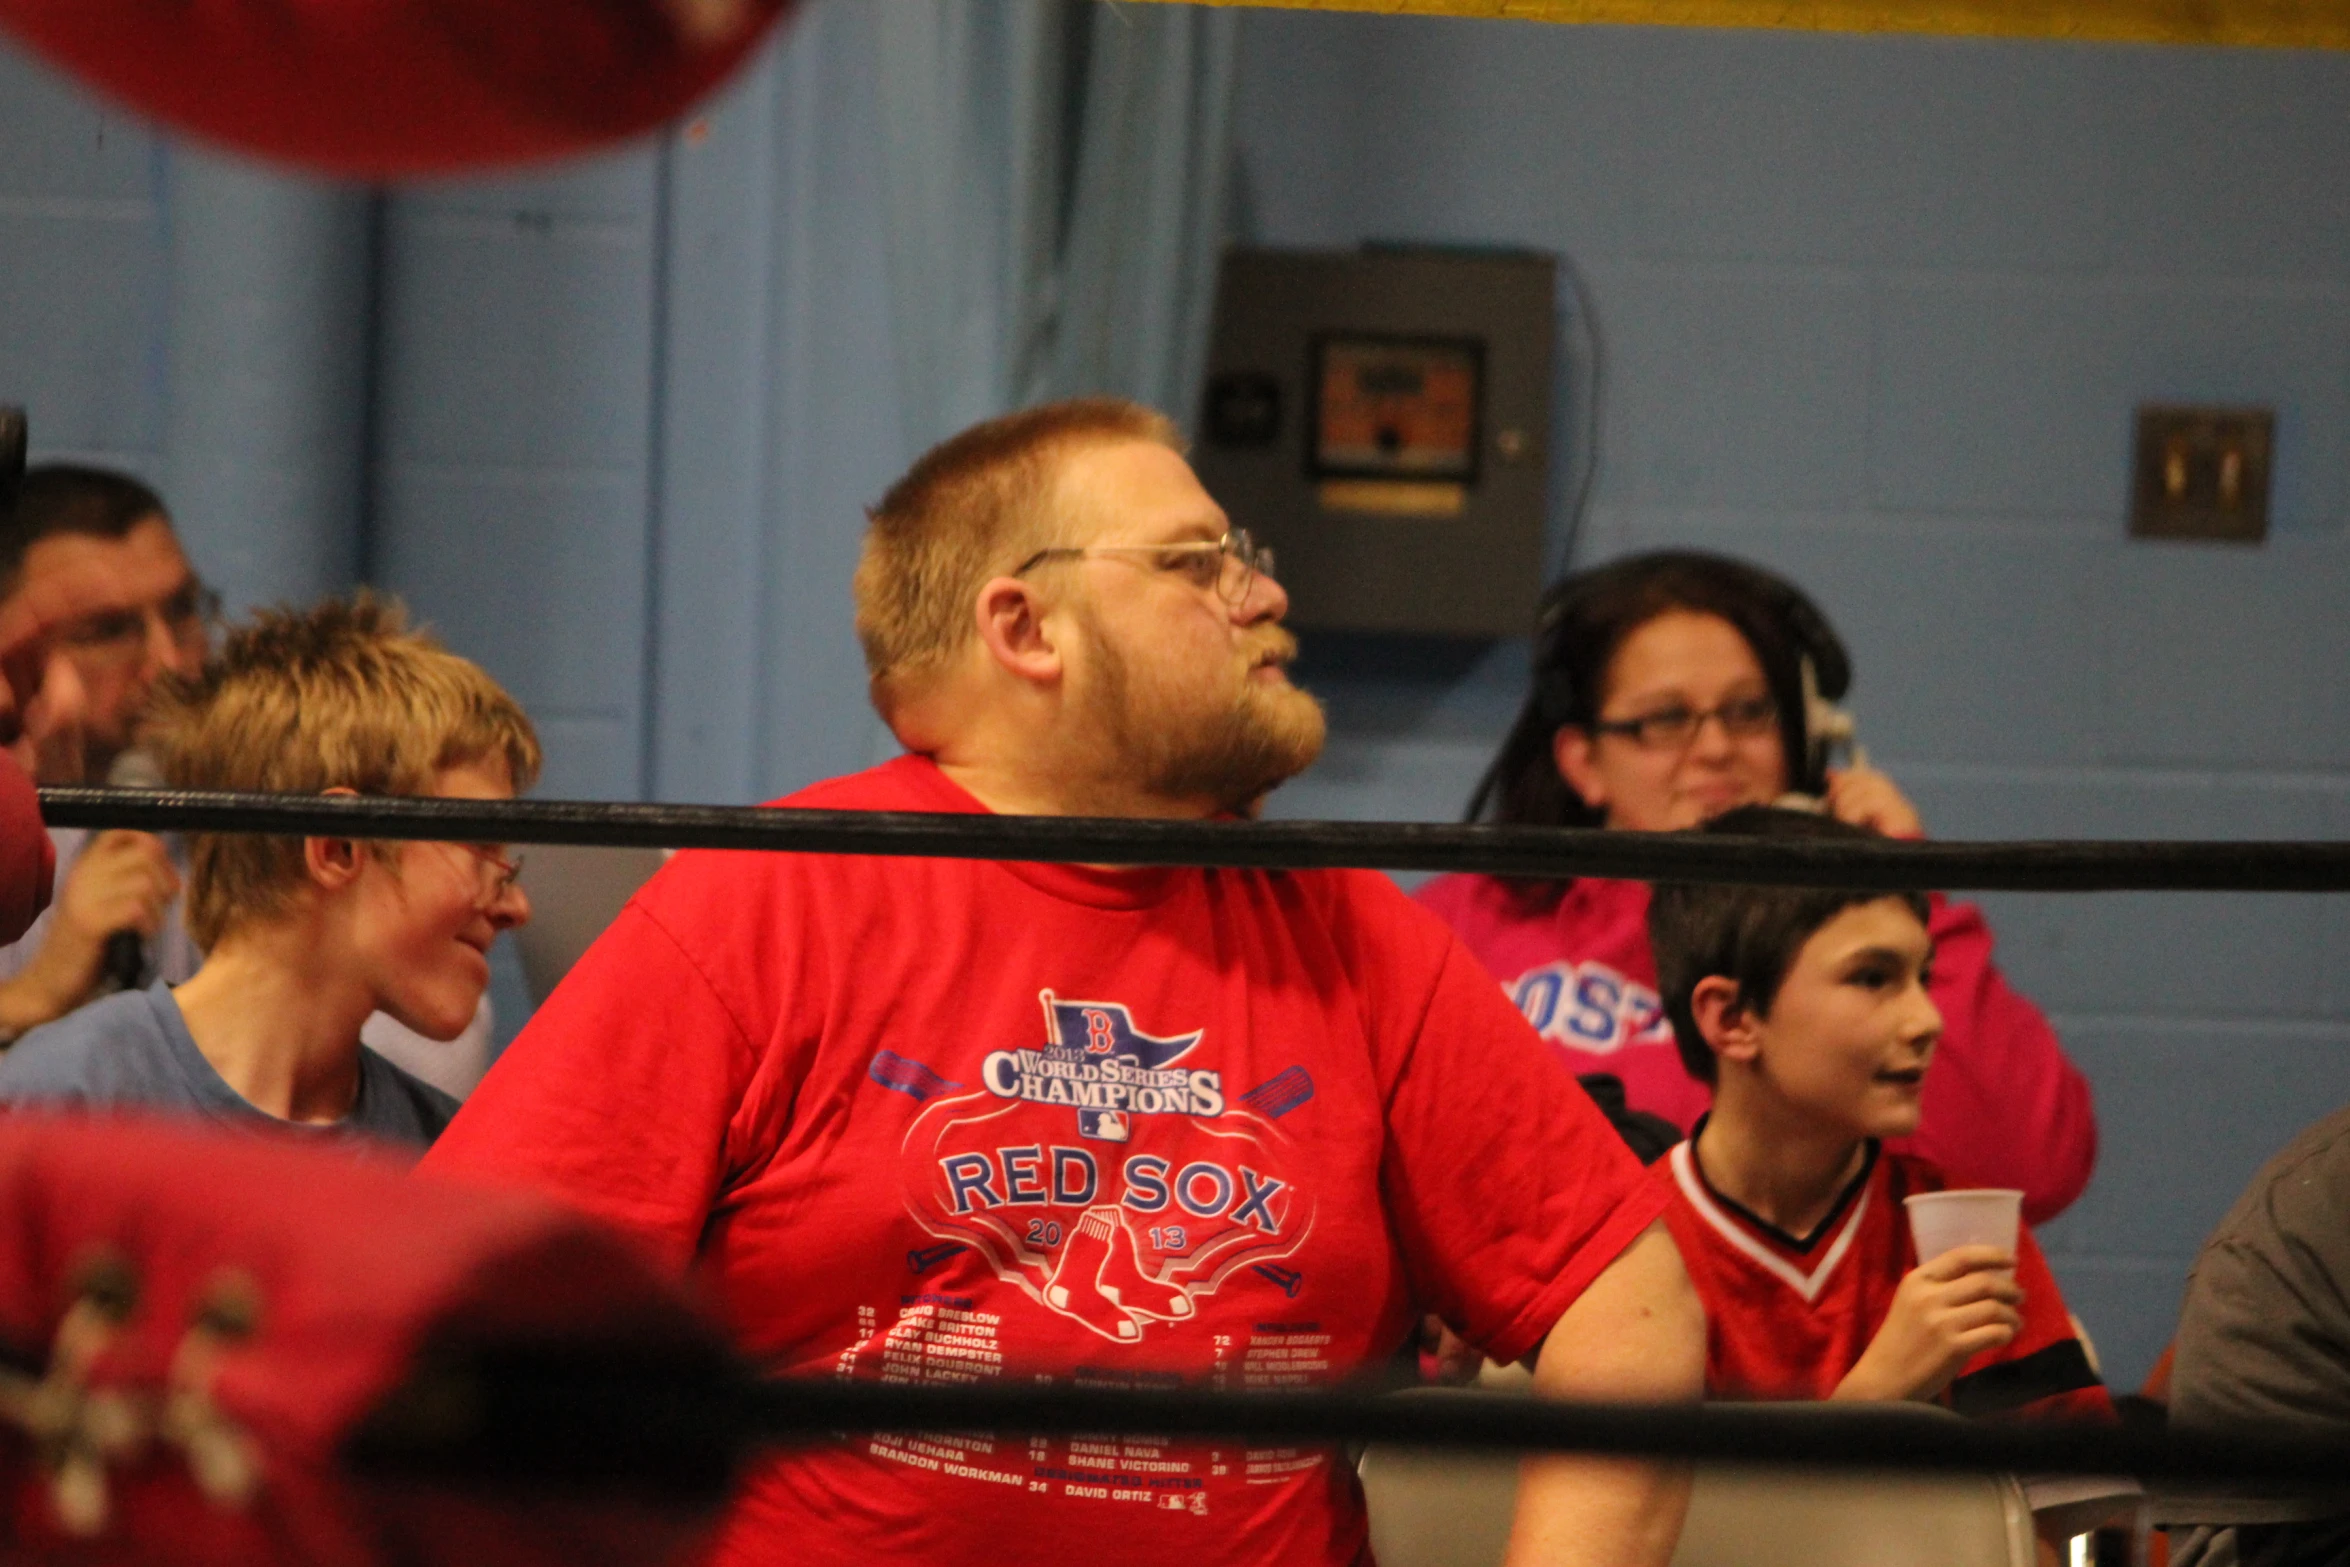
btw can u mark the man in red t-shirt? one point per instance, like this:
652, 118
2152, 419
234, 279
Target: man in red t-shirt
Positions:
947, 1121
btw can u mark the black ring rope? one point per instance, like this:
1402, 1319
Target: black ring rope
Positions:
798, 1412
1545, 852
1854, 1437
498, 1415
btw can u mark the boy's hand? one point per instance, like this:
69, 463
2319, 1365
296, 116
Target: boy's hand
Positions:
30, 619
709, 23
1946, 1312
50, 742
1445, 1357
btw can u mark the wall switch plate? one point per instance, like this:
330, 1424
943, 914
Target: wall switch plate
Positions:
2202, 473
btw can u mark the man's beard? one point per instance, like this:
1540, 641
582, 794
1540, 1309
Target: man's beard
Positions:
1178, 741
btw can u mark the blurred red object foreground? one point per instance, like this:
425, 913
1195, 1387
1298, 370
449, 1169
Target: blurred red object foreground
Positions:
382, 88
220, 1347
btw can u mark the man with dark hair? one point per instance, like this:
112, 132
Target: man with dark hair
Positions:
114, 529
946, 1120
28, 626
96, 526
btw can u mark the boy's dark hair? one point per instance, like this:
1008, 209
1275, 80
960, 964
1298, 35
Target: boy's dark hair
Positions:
1748, 935
57, 498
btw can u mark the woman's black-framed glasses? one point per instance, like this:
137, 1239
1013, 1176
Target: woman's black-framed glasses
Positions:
1674, 728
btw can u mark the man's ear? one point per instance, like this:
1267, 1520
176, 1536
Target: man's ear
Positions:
331, 863
1570, 752
1724, 1018
1012, 628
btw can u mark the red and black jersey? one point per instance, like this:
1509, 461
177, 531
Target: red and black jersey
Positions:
1788, 1316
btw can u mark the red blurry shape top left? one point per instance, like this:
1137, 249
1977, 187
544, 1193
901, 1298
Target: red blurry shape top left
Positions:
377, 89
28, 860
199, 1328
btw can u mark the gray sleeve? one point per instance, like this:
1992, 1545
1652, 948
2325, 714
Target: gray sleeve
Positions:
112, 1051
2265, 1333
37, 1071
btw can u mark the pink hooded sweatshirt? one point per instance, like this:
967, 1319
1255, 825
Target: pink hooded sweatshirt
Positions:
2003, 1107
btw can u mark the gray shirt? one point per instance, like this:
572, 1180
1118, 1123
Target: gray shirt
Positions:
135, 1049
2264, 1339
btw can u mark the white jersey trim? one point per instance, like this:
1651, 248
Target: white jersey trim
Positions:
1726, 1225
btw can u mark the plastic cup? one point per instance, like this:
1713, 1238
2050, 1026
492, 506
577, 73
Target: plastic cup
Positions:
1980, 1216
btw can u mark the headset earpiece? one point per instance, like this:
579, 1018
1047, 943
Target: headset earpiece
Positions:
1826, 727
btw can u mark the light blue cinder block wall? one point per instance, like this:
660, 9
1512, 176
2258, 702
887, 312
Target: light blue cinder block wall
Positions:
608, 427
630, 414
83, 284
1877, 311
195, 321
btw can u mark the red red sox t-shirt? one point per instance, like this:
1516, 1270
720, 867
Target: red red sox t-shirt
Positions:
944, 1121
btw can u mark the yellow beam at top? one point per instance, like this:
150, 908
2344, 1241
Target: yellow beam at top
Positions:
2268, 24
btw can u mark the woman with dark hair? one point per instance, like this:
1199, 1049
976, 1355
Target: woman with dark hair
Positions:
1671, 687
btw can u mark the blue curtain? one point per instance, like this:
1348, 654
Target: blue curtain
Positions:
1137, 279
971, 133
1055, 174
266, 348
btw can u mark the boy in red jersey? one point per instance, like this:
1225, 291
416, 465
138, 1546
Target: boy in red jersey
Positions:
1806, 1011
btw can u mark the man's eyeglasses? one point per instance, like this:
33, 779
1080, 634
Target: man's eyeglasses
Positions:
1674, 728
120, 635
1230, 566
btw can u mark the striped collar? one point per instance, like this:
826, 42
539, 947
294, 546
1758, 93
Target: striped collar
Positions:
1768, 1247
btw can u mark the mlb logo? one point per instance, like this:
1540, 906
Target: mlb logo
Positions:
1103, 1126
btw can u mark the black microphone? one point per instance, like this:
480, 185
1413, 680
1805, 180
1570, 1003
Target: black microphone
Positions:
12, 448
125, 962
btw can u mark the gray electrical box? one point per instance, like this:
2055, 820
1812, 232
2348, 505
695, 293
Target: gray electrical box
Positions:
1382, 419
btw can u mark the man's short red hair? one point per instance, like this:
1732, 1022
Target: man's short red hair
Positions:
972, 507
